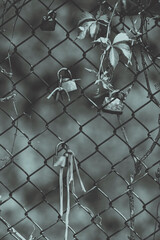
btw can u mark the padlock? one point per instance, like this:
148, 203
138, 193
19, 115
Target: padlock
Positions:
69, 85
48, 22
62, 159
113, 105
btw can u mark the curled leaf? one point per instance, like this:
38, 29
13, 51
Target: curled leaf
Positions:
86, 17
84, 29
125, 50
113, 57
94, 28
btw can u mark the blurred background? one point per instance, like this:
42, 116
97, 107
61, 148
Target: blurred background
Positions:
31, 127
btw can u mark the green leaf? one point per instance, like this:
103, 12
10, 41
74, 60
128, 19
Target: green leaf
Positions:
93, 29
104, 41
87, 24
84, 29
113, 57
121, 37
125, 50
90, 24
86, 17
103, 18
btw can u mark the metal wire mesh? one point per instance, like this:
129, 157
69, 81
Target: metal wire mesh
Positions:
115, 206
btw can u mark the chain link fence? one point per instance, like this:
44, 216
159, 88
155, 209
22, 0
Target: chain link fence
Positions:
117, 155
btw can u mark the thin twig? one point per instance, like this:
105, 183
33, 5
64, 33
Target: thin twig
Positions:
7, 98
131, 187
107, 35
142, 159
12, 230
150, 94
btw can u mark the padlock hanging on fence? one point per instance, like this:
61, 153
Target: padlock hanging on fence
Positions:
49, 21
65, 84
114, 104
67, 160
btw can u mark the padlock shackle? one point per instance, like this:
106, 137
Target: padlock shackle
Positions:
63, 69
63, 144
51, 13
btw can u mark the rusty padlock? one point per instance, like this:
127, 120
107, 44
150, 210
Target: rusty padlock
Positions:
48, 22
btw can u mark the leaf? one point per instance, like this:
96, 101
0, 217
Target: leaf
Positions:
125, 50
86, 17
90, 24
84, 29
91, 70
113, 57
84, 25
93, 29
121, 37
102, 40
103, 18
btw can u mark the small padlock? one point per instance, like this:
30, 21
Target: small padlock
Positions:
62, 159
69, 85
48, 22
113, 105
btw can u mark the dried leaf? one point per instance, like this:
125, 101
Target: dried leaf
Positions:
61, 190
80, 180
113, 57
68, 207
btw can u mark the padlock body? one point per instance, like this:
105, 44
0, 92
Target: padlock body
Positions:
69, 86
60, 161
48, 24
113, 105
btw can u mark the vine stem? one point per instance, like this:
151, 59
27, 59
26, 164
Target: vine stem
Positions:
107, 35
131, 187
150, 95
142, 159
12, 230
